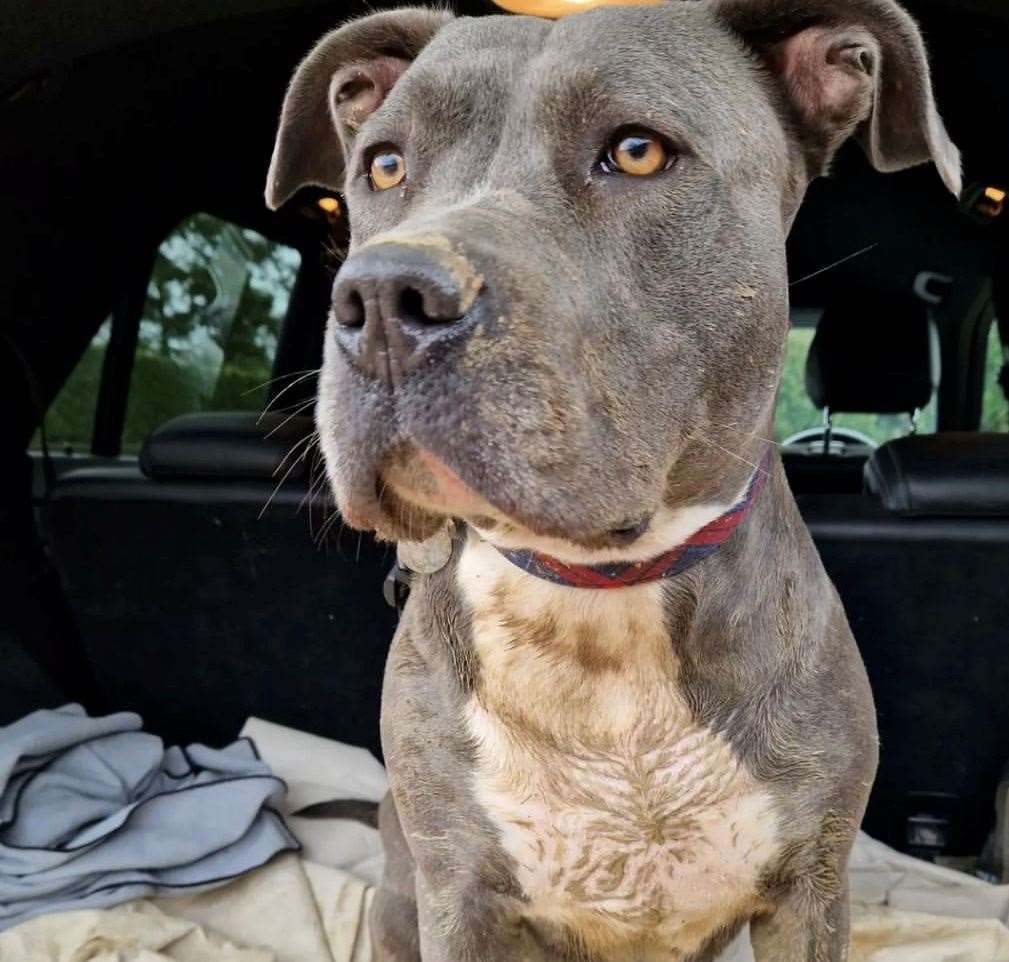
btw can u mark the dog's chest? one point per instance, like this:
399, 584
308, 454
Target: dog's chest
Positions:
661, 839
626, 820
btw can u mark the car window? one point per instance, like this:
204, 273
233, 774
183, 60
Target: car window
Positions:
995, 407
795, 411
215, 303
70, 418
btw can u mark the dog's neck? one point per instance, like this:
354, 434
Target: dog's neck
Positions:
540, 645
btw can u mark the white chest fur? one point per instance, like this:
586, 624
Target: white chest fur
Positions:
625, 818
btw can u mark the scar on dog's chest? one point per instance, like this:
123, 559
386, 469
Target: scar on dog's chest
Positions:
625, 819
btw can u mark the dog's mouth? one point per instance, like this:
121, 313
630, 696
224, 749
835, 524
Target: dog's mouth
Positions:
419, 479
417, 492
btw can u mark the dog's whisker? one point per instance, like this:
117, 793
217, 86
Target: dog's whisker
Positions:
337, 253
320, 483
305, 442
287, 408
276, 380
747, 434
280, 484
838, 263
317, 540
327, 526
269, 407
316, 485
304, 406
732, 454
310, 498
331, 519
316, 480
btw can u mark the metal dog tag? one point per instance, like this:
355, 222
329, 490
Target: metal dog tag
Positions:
426, 557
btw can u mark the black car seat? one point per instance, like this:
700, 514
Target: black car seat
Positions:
878, 356
202, 595
921, 562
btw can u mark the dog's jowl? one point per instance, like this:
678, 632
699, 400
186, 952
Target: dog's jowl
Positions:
626, 716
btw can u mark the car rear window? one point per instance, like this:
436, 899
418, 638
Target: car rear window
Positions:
216, 299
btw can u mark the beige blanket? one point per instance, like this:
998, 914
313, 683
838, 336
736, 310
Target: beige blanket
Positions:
314, 908
289, 911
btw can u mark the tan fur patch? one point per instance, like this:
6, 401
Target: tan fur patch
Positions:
465, 274
579, 641
628, 822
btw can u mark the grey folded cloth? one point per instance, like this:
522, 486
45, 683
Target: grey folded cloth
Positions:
94, 812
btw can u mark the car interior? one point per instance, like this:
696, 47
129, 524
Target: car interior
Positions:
169, 548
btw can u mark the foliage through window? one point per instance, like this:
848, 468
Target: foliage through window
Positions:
70, 418
215, 303
795, 411
995, 407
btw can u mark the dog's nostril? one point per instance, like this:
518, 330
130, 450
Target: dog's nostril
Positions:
411, 307
349, 309
428, 305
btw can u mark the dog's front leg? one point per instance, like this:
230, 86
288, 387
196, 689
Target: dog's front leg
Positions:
804, 928
473, 923
394, 911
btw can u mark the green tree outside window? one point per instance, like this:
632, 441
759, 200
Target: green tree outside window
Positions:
215, 303
994, 406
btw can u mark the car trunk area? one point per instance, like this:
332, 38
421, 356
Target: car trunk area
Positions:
185, 561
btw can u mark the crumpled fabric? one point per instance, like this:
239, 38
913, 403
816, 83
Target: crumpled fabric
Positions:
315, 770
287, 911
884, 934
135, 932
879, 875
95, 812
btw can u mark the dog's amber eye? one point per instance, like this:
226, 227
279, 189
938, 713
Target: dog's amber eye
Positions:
638, 153
387, 169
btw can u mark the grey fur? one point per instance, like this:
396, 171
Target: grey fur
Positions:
622, 358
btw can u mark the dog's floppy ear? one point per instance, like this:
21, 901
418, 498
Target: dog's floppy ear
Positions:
335, 89
850, 68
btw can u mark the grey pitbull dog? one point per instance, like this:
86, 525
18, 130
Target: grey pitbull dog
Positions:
561, 326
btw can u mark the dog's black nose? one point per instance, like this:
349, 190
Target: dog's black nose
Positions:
394, 304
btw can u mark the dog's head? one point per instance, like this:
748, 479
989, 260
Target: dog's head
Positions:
564, 307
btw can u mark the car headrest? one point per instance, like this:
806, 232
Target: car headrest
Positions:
225, 444
878, 358
949, 475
